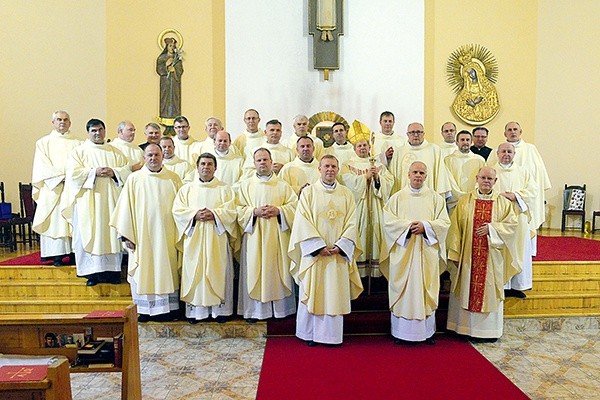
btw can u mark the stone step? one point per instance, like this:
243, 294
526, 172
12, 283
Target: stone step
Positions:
554, 303
62, 305
70, 288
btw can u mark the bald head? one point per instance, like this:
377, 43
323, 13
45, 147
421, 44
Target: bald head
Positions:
417, 173
153, 157
506, 153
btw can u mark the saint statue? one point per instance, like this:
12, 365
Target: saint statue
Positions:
169, 66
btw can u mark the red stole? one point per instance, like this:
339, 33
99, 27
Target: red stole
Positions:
479, 254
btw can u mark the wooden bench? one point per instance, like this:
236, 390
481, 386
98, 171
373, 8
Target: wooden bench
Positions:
24, 334
56, 385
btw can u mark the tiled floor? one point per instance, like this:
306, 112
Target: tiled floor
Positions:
563, 363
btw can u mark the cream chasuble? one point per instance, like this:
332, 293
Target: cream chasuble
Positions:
412, 263
188, 149
352, 175
182, 168
229, 169
462, 170
447, 148
503, 260
265, 242
134, 154
528, 157
298, 173
95, 197
247, 142
384, 142
343, 152
206, 245
279, 154
327, 283
143, 215
48, 179
431, 155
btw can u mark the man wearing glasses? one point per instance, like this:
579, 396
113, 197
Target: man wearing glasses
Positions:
418, 149
480, 137
186, 147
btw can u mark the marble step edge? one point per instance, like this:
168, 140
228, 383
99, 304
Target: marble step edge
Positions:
126, 300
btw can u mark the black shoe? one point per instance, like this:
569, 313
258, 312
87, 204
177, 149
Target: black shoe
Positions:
57, 261
430, 341
482, 340
333, 344
311, 343
251, 320
143, 318
401, 342
221, 319
91, 282
514, 293
193, 321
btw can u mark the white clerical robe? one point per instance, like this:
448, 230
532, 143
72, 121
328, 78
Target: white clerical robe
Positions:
229, 168
279, 154
502, 263
247, 142
343, 152
134, 154
462, 170
325, 217
298, 173
428, 153
528, 157
207, 270
48, 180
370, 200
143, 215
384, 142
188, 149
292, 141
447, 148
412, 263
515, 179
266, 286
182, 168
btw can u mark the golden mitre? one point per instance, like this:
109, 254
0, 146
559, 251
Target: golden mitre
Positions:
359, 131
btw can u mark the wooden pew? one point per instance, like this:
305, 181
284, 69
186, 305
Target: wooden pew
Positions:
56, 385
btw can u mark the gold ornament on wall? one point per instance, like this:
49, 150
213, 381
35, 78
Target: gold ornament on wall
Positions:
321, 125
472, 71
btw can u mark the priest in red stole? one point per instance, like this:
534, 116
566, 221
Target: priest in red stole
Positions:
482, 257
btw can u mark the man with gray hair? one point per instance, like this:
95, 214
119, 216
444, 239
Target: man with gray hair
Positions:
48, 179
152, 133
301, 130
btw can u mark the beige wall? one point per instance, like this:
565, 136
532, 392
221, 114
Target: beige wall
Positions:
568, 84
96, 59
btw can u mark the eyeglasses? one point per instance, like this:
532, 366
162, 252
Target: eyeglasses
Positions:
415, 133
182, 127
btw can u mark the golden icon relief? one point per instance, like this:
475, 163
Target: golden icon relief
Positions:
472, 72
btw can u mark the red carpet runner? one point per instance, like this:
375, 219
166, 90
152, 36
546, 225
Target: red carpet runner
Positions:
567, 248
373, 367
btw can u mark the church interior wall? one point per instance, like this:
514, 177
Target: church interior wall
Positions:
89, 58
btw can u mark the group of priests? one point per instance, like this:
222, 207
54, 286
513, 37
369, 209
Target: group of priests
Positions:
304, 222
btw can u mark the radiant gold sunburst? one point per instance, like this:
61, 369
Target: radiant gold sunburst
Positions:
323, 121
477, 53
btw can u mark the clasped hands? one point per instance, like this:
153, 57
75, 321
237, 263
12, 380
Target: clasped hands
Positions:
204, 214
417, 228
105, 171
329, 251
266, 212
483, 230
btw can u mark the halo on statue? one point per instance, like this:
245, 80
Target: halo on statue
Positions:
321, 123
163, 34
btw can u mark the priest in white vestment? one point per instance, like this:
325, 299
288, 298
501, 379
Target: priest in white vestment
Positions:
124, 143
371, 183
265, 207
304, 170
462, 166
182, 168
143, 218
418, 149
300, 125
515, 183
230, 163
413, 255
448, 132
323, 248
48, 180
95, 175
386, 141
207, 230
482, 257
341, 148
528, 157
281, 154
252, 138
186, 147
